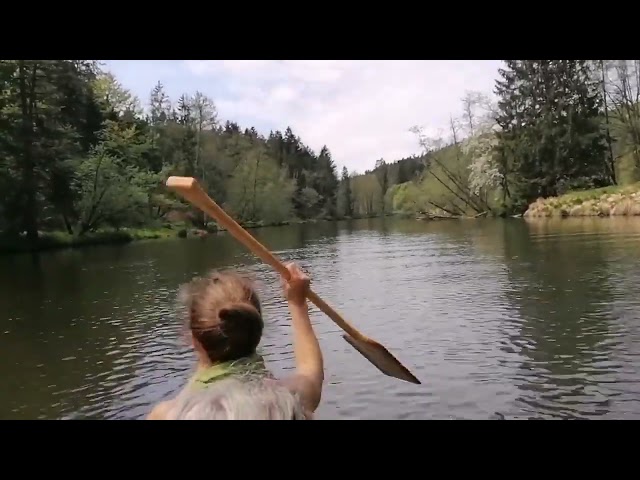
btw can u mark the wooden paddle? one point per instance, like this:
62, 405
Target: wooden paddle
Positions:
377, 354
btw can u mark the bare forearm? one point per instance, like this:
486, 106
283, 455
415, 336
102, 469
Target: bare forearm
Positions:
309, 377
307, 351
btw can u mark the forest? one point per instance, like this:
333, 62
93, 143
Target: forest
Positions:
81, 155
550, 127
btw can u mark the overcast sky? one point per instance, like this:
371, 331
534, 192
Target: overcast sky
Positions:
361, 109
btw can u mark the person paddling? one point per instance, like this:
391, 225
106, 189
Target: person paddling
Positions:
231, 380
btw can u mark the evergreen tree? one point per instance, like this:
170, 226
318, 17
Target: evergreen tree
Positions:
348, 200
550, 138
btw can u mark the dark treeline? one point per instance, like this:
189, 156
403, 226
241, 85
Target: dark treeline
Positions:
79, 153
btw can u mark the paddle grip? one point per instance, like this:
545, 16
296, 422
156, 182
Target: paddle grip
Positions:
191, 190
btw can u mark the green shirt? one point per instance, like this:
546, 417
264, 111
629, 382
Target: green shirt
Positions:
243, 367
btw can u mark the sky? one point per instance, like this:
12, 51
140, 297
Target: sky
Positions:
361, 109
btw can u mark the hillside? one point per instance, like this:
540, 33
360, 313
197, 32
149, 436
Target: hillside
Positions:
92, 160
492, 163
81, 157
441, 189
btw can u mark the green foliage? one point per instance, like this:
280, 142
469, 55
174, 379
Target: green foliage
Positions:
372, 193
259, 189
551, 139
345, 196
558, 126
408, 198
614, 200
78, 154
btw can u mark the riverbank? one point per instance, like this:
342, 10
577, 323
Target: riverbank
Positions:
611, 201
63, 240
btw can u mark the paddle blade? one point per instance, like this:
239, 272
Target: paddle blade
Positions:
382, 359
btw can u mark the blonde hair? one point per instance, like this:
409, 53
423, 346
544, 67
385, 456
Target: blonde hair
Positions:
223, 314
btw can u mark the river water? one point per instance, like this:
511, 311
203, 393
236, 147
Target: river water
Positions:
498, 318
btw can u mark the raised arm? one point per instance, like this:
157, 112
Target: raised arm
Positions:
309, 376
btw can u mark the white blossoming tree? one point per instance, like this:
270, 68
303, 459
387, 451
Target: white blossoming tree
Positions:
480, 144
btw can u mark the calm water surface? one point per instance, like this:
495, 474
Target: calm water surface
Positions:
499, 319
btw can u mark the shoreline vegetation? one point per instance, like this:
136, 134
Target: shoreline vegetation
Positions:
613, 201
83, 161
58, 240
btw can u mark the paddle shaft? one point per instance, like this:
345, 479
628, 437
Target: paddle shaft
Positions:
191, 191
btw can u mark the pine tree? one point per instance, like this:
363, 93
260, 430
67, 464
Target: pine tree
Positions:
348, 200
381, 171
188, 144
160, 105
326, 183
550, 138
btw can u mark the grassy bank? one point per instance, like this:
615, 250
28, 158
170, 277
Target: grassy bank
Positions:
601, 202
58, 240
61, 240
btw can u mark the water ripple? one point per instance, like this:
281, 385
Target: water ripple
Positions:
498, 319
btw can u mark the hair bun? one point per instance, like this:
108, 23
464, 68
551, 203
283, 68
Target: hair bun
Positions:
237, 311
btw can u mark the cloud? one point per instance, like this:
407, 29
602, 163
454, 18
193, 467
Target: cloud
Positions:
361, 110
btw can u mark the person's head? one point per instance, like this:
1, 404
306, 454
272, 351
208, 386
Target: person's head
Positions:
224, 316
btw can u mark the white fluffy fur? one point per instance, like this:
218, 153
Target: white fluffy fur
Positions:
233, 399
